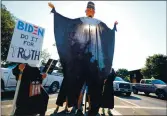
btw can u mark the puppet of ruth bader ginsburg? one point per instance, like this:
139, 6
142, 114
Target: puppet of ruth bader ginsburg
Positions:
86, 48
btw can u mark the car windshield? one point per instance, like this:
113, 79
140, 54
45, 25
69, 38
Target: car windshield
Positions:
118, 79
158, 82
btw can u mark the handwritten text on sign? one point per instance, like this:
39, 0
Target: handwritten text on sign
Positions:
26, 43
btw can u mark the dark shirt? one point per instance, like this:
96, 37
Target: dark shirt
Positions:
29, 74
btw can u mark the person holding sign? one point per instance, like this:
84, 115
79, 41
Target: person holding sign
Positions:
78, 39
25, 47
32, 98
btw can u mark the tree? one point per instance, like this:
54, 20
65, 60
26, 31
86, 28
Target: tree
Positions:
155, 67
7, 27
127, 78
122, 73
45, 56
146, 72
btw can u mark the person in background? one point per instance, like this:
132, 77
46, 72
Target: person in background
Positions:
62, 96
108, 93
32, 97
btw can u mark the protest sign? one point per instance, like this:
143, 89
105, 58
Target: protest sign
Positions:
50, 65
26, 43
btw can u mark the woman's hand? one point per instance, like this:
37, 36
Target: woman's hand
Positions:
21, 67
44, 76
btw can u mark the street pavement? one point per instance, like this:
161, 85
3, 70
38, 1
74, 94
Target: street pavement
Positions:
133, 105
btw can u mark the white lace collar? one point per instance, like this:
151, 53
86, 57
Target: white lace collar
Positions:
91, 21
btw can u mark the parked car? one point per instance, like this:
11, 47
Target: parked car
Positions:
121, 86
8, 82
151, 86
53, 81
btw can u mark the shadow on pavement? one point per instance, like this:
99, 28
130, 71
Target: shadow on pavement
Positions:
121, 95
10, 95
152, 96
63, 113
130, 97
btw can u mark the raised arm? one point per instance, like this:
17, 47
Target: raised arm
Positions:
115, 24
60, 17
51, 5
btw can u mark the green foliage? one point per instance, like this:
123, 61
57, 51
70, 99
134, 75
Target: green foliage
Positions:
7, 27
127, 78
146, 72
156, 67
152, 78
122, 73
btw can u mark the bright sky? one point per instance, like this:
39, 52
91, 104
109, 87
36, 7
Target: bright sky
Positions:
141, 29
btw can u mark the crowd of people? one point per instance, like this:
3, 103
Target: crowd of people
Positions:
86, 56
31, 101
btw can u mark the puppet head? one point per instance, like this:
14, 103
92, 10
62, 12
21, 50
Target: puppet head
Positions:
90, 11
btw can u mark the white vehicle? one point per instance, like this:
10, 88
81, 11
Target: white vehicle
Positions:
53, 81
8, 80
121, 86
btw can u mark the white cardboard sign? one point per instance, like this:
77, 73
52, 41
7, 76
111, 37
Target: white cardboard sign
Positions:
26, 43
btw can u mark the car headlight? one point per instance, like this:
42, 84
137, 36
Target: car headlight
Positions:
117, 85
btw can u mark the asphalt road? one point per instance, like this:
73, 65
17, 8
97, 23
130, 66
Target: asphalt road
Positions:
140, 105
133, 105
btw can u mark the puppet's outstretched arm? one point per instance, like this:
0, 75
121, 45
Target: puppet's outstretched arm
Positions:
115, 24
51, 5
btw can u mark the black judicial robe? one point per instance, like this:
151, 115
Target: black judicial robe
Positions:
26, 105
107, 100
83, 44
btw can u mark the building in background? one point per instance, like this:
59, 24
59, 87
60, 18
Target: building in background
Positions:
135, 76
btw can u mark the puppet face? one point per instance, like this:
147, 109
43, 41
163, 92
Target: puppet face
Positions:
90, 12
